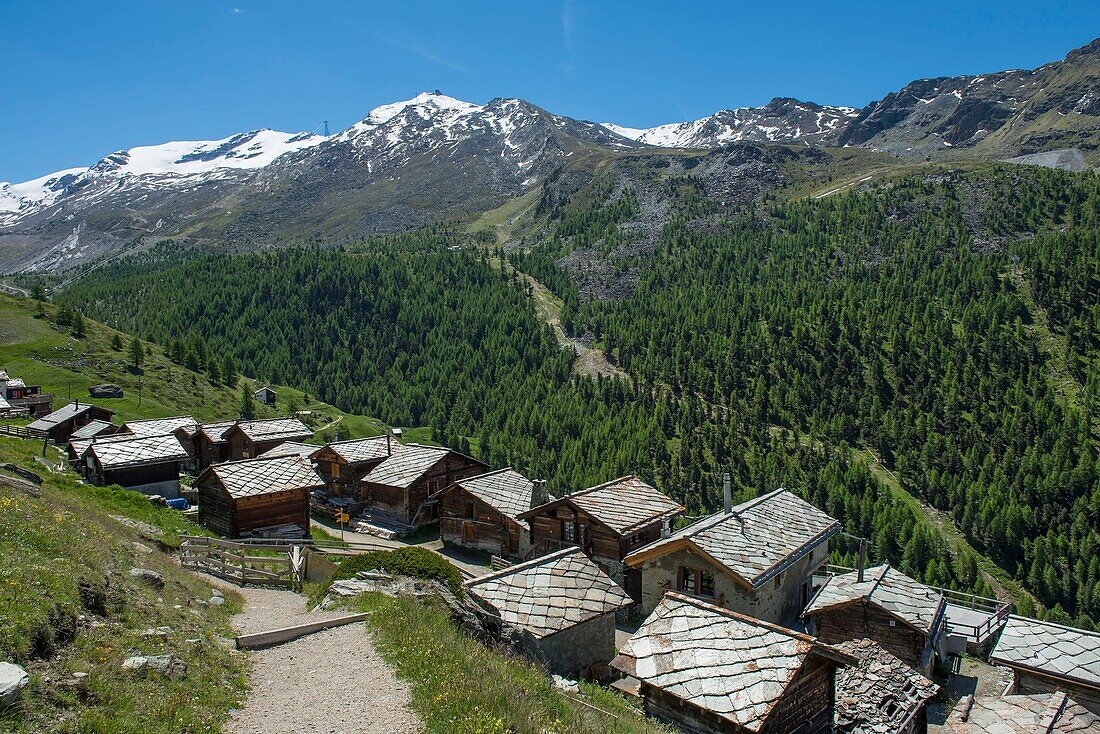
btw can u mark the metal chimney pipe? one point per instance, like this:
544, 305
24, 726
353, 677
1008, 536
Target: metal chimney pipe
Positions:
727, 493
862, 559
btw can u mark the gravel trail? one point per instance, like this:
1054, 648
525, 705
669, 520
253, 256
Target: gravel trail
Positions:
331, 682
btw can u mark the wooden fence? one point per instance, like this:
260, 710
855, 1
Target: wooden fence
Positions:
281, 565
19, 431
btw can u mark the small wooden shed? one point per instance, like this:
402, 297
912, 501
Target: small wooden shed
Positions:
559, 610
883, 604
712, 671
401, 485
249, 439
60, 425
482, 512
149, 464
239, 497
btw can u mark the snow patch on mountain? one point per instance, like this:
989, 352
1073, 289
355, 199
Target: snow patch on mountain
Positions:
37, 192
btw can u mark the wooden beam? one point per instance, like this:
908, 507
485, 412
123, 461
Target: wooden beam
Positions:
270, 638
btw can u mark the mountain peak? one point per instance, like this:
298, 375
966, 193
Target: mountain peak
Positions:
430, 102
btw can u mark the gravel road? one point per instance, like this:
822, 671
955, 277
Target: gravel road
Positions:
331, 682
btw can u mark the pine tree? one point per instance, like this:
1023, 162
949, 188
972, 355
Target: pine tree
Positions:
116, 343
248, 402
77, 329
137, 354
229, 371
38, 292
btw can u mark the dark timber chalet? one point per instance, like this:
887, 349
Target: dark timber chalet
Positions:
343, 464
606, 521
757, 558
249, 439
712, 671
558, 609
400, 486
238, 498
1047, 657
482, 512
60, 425
901, 614
210, 445
183, 427
149, 464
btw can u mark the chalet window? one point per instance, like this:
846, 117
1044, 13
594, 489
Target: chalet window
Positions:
706, 583
695, 582
335, 471
471, 511
568, 532
778, 581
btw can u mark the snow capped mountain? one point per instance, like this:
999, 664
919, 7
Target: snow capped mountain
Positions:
782, 120
38, 192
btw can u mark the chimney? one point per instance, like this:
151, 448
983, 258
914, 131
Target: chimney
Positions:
666, 527
727, 493
862, 560
389, 438
539, 494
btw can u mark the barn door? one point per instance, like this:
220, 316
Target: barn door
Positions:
469, 532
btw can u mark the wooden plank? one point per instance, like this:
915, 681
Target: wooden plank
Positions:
270, 638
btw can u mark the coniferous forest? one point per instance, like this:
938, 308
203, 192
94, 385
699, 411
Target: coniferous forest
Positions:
944, 327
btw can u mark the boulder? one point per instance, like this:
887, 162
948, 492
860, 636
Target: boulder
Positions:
167, 665
13, 679
105, 391
149, 576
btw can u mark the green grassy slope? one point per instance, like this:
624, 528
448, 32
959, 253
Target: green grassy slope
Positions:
36, 349
69, 605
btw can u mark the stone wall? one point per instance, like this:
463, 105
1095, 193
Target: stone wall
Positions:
573, 651
768, 603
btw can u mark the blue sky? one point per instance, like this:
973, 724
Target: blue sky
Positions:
79, 80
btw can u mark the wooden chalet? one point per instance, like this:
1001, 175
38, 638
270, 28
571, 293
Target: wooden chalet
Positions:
60, 425
708, 670
558, 609
344, 464
757, 558
1047, 657
149, 464
94, 429
23, 399
249, 439
400, 486
241, 498
1037, 713
482, 512
209, 443
880, 694
883, 604
265, 396
607, 521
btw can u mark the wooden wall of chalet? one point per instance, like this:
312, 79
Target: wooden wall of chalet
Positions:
806, 707
207, 452
231, 517
1027, 682
61, 432
859, 619
138, 475
595, 539
486, 528
241, 447
341, 478
404, 503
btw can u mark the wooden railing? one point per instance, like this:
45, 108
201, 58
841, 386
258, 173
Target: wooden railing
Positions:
18, 431
547, 546
232, 561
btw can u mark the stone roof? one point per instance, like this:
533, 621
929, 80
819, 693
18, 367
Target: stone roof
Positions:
290, 448
881, 694
122, 451
729, 664
274, 429
756, 540
549, 594
254, 477
66, 413
406, 463
361, 450
92, 429
158, 426
1045, 713
1051, 649
906, 599
215, 432
623, 505
505, 490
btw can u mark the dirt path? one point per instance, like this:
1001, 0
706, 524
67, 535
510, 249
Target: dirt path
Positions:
590, 362
331, 682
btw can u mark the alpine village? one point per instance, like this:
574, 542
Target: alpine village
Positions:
478, 418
